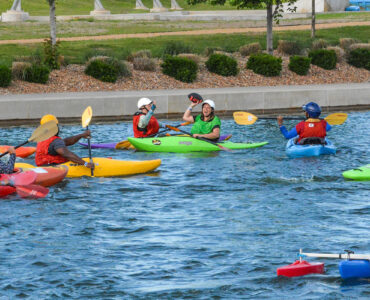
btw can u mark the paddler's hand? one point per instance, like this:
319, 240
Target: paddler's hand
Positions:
196, 135
280, 120
86, 134
89, 165
11, 150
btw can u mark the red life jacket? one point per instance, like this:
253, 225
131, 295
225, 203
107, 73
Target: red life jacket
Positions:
42, 153
151, 128
311, 128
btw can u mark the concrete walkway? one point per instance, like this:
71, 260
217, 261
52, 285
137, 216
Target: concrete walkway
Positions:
111, 106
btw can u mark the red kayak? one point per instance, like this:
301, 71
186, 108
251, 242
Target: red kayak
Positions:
6, 190
9, 182
46, 176
300, 268
20, 152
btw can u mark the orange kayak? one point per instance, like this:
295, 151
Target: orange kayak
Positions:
46, 176
20, 152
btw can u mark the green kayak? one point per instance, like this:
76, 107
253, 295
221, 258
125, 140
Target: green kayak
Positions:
361, 173
183, 144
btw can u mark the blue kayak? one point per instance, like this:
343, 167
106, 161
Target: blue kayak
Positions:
293, 150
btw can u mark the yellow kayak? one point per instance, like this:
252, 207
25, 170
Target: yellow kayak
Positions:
106, 167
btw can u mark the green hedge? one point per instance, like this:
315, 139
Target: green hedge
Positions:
222, 64
360, 58
5, 76
299, 64
326, 59
102, 70
265, 64
180, 68
37, 73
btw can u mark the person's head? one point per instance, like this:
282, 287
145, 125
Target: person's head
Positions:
48, 118
144, 104
208, 108
312, 109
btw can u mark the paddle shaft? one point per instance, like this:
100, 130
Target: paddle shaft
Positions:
16, 147
168, 129
340, 255
90, 156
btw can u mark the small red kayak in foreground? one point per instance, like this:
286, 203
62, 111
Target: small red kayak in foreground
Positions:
301, 268
19, 152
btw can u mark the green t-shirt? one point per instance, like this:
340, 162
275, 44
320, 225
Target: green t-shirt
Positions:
202, 127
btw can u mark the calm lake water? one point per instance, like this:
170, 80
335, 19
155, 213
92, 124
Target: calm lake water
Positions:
204, 226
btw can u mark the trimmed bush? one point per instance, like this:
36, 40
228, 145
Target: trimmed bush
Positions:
359, 58
5, 76
299, 64
338, 51
140, 54
144, 64
319, 44
102, 70
326, 59
249, 49
180, 68
121, 66
174, 48
265, 64
289, 47
222, 64
19, 69
37, 73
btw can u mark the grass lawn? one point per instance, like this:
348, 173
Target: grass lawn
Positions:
77, 51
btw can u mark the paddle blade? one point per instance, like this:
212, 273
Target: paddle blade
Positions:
244, 118
336, 119
44, 131
124, 145
24, 178
86, 116
32, 191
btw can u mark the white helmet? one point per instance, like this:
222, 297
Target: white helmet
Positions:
209, 102
142, 102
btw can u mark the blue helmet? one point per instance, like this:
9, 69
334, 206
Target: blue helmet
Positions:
313, 109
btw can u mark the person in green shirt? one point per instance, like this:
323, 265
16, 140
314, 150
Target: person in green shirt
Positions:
207, 124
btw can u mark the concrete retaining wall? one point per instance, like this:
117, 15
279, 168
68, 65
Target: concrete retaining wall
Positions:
22, 109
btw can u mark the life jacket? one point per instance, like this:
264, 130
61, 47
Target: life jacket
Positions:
151, 128
42, 153
311, 128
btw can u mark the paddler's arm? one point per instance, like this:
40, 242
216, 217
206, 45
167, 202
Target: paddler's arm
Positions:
187, 114
73, 157
215, 134
69, 141
287, 134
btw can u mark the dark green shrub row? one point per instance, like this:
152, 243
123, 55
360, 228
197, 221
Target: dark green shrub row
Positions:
180, 68
5, 76
222, 64
326, 59
265, 64
360, 58
37, 73
299, 64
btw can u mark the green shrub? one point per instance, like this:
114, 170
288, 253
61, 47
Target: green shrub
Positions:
265, 64
191, 56
222, 64
5, 76
249, 49
289, 47
359, 58
299, 64
326, 59
174, 48
102, 70
180, 68
339, 52
121, 66
37, 73
51, 54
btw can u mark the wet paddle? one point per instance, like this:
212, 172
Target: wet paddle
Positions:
86, 118
246, 118
127, 145
199, 138
31, 191
23, 178
41, 133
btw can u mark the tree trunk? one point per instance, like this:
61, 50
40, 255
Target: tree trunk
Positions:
269, 44
313, 30
53, 23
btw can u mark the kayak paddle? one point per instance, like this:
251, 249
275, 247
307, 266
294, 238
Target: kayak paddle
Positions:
127, 145
32, 191
199, 138
40, 134
86, 118
246, 118
24, 178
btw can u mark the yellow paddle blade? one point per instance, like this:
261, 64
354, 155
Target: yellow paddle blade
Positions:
86, 116
44, 131
336, 119
124, 145
244, 118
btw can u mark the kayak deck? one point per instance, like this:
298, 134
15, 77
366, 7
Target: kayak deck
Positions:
294, 151
359, 174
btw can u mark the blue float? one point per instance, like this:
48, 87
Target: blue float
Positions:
293, 150
352, 8
351, 269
